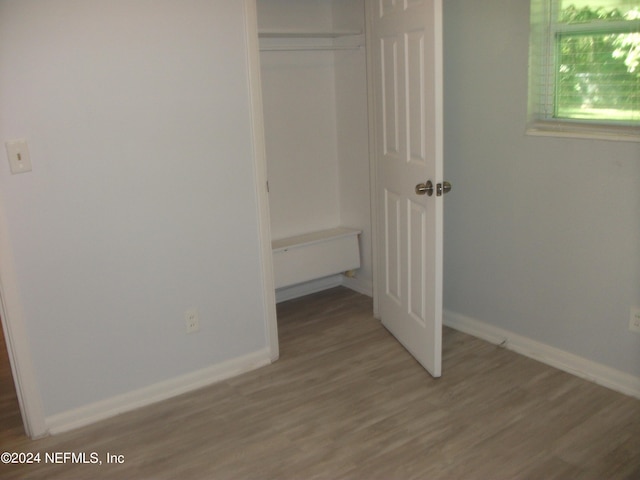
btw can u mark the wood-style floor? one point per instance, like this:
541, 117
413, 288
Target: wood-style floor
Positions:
10, 419
346, 401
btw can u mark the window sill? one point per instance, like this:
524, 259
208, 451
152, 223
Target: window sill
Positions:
578, 130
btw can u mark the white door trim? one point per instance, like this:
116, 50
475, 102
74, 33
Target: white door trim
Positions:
16, 339
373, 165
260, 173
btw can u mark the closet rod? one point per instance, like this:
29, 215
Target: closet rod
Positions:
285, 48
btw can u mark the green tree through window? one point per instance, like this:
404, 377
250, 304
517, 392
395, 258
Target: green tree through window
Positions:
585, 67
597, 74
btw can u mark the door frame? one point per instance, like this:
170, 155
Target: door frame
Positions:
15, 334
261, 163
260, 175
369, 11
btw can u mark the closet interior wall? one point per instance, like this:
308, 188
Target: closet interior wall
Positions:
314, 88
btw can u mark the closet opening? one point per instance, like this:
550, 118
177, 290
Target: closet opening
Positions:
313, 71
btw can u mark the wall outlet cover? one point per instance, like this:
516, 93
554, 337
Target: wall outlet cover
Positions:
192, 320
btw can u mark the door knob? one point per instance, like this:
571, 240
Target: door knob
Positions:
442, 188
423, 188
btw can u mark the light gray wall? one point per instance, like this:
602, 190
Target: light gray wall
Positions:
542, 235
141, 201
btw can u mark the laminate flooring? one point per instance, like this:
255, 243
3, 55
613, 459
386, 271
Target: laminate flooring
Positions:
345, 400
10, 419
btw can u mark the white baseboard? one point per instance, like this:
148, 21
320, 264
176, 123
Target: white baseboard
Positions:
307, 288
365, 288
568, 362
314, 286
110, 407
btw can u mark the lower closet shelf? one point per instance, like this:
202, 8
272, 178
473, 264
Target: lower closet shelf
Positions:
315, 255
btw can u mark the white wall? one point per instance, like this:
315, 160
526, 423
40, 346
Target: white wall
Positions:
300, 132
141, 201
542, 235
300, 122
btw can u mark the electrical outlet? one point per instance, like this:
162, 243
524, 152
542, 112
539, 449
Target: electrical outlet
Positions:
192, 320
634, 321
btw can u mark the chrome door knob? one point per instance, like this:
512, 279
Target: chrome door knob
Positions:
423, 188
442, 188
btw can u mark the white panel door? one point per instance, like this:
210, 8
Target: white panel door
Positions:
407, 77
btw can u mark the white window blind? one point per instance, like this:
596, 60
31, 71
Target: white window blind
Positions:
584, 64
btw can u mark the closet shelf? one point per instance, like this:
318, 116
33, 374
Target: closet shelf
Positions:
311, 238
323, 40
315, 255
307, 48
307, 33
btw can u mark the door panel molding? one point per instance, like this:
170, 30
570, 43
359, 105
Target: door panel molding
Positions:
406, 41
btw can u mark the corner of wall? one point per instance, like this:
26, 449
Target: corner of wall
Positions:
88, 414
581, 367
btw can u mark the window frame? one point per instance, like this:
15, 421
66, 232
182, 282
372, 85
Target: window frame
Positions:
543, 54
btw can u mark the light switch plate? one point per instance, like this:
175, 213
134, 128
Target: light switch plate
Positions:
18, 153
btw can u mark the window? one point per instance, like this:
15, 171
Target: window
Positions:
584, 64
